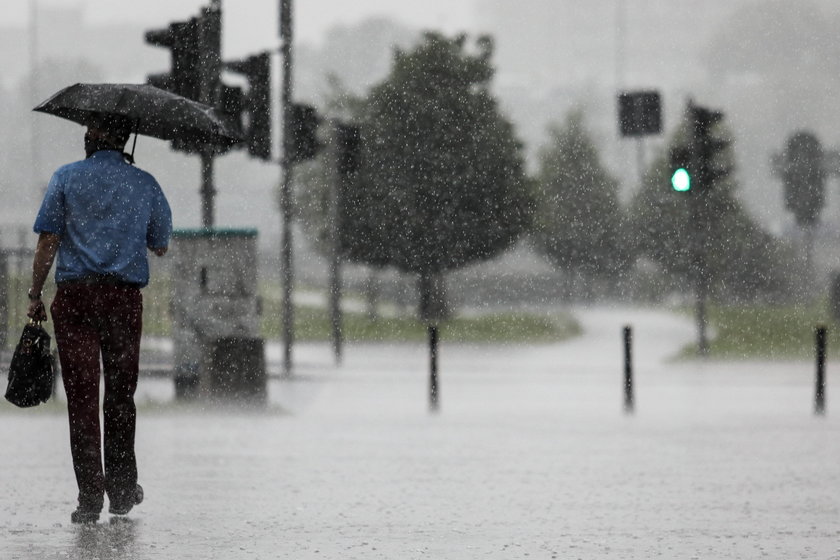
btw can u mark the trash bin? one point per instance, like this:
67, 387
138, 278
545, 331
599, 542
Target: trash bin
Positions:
216, 310
237, 368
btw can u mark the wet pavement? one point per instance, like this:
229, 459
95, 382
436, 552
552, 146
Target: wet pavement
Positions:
530, 456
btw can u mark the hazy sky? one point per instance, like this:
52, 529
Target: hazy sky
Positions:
252, 24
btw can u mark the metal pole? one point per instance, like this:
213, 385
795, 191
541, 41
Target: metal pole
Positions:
621, 78
699, 224
434, 401
620, 43
628, 369
286, 185
640, 159
702, 319
38, 190
209, 68
4, 300
336, 318
810, 232
819, 400
336, 187
208, 190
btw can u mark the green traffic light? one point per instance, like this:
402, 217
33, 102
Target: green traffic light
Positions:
681, 180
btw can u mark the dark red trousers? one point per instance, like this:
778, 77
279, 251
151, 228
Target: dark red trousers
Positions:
93, 322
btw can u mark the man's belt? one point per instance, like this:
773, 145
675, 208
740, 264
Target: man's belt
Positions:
99, 280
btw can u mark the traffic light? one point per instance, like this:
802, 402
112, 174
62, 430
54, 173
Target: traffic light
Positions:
349, 140
681, 176
231, 100
180, 39
639, 113
195, 46
303, 129
256, 104
208, 30
710, 148
804, 177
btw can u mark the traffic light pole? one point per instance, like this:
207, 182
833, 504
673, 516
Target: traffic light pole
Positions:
38, 188
699, 221
286, 185
698, 166
702, 290
336, 187
210, 31
640, 159
208, 190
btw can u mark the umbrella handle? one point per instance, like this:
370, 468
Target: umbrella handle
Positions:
130, 157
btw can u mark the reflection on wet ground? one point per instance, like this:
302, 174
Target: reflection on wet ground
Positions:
114, 540
531, 455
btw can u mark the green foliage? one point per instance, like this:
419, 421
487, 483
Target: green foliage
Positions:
578, 223
764, 332
313, 324
442, 184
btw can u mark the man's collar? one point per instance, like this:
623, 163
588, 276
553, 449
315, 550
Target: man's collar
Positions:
110, 153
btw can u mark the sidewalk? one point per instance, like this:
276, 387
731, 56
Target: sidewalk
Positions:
529, 457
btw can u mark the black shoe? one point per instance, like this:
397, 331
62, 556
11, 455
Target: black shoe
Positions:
122, 507
84, 515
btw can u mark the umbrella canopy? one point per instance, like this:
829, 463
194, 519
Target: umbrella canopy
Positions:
153, 112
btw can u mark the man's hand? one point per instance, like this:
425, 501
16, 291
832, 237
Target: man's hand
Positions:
44, 256
159, 251
36, 310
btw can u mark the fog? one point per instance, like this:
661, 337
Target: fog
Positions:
103, 41
551, 57
563, 274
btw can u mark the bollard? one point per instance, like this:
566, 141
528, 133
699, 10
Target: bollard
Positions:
434, 404
819, 398
628, 369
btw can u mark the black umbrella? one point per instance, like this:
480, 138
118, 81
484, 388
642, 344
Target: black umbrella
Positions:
153, 112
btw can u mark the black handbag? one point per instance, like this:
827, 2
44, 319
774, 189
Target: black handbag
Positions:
31, 369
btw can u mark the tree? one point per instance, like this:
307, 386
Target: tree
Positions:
776, 65
579, 222
442, 184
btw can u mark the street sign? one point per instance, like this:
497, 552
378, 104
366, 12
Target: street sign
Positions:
639, 113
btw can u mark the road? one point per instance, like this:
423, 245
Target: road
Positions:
530, 456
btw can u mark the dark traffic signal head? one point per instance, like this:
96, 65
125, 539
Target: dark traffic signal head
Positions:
256, 103
181, 39
303, 131
195, 45
705, 119
710, 148
208, 30
804, 177
349, 140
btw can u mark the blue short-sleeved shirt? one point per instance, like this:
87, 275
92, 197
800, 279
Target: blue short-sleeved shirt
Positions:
107, 214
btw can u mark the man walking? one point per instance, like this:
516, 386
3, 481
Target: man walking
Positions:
100, 216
